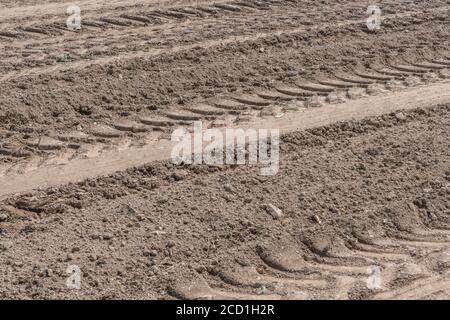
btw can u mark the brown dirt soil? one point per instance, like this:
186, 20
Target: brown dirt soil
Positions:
85, 119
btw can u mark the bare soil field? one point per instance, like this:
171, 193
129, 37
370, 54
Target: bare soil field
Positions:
359, 208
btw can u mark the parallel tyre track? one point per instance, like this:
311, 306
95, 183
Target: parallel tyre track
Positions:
108, 152
288, 276
86, 47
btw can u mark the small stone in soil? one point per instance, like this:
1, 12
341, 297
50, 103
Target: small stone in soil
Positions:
274, 211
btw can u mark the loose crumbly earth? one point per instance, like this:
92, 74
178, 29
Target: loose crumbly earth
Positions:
59, 82
145, 232
359, 209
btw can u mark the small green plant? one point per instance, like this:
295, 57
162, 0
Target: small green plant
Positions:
65, 58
